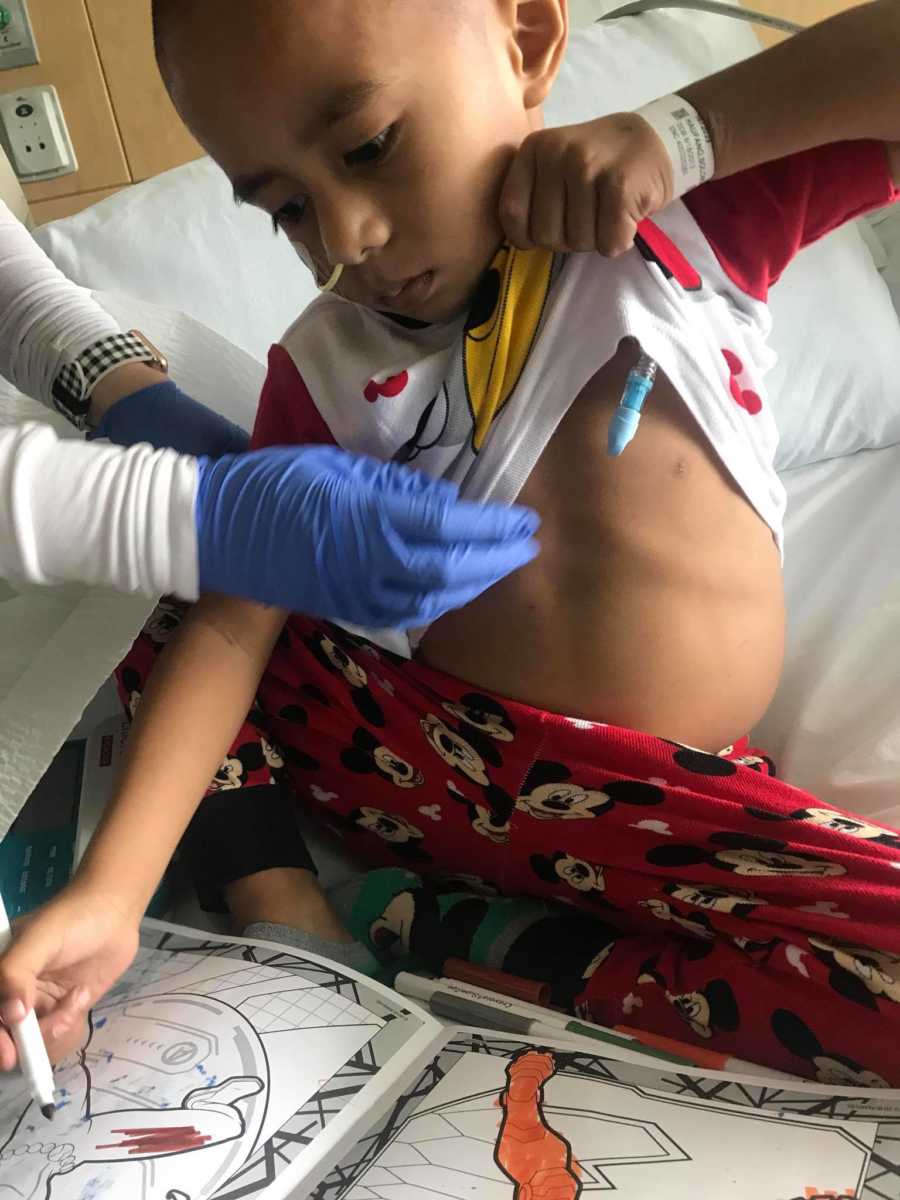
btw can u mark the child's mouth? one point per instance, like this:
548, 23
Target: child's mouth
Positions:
408, 294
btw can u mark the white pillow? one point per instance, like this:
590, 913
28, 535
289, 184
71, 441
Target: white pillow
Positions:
179, 241
615, 66
834, 725
836, 387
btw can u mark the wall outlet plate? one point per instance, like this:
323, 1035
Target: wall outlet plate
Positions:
17, 45
35, 135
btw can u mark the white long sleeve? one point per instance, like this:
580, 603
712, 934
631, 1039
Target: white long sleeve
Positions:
96, 514
46, 320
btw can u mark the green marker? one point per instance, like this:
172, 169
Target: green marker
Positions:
500, 1013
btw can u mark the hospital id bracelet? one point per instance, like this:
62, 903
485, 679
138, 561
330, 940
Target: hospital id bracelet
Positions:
74, 385
681, 130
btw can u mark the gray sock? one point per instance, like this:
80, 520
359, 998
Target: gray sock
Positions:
349, 954
343, 898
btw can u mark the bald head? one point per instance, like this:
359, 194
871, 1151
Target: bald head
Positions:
368, 129
167, 12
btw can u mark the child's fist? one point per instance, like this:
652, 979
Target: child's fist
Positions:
61, 960
586, 187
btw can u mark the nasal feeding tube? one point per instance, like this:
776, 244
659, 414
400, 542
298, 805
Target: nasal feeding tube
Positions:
307, 259
627, 417
334, 279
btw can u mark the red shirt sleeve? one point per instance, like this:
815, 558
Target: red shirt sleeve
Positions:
287, 414
756, 221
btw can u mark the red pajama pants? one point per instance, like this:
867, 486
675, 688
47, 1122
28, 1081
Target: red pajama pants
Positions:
728, 907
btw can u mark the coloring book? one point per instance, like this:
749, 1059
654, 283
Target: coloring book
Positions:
241, 1071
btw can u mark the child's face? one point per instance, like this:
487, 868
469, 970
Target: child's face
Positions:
377, 132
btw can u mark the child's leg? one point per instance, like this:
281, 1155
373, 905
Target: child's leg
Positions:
736, 999
735, 900
415, 926
284, 896
761, 921
739, 899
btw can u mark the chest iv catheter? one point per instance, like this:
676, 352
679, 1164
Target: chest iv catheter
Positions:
625, 420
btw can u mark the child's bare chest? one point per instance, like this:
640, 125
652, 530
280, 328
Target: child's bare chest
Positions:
656, 602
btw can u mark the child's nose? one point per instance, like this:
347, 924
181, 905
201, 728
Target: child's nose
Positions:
351, 228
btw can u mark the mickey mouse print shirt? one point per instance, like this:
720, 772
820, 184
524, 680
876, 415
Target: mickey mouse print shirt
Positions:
477, 400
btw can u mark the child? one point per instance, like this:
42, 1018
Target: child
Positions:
403, 142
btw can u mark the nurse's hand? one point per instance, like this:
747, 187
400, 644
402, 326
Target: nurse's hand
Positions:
167, 418
62, 959
313, 529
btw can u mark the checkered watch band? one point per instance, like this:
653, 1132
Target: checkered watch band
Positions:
75, 383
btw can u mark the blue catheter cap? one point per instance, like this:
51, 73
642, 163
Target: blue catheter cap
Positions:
622, 428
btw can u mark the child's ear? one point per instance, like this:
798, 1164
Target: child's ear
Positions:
541, 34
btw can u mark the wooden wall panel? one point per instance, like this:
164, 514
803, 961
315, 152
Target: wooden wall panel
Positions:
69, 61
804, 12
152, 133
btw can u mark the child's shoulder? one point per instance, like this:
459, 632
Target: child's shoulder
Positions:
311, 354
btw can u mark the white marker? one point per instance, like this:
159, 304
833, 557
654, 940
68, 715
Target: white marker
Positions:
33, 1061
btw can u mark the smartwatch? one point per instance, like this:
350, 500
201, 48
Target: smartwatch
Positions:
73, 387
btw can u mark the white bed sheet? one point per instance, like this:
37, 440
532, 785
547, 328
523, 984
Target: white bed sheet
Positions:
834, 726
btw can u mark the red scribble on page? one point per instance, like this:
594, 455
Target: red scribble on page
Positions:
534, 1156
164, 1139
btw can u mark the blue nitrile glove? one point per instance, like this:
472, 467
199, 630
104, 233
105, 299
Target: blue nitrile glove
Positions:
167, 418
316, 530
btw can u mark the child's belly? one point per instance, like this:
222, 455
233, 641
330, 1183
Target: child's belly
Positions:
657, 601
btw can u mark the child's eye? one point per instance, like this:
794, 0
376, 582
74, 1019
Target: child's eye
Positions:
371, 151
289, 214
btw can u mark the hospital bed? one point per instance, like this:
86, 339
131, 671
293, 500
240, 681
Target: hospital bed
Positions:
210, 284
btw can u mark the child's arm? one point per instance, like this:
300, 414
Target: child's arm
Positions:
73, 949
195, 701
587, 187
835, 82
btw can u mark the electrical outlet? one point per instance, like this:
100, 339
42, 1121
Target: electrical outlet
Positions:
17, 45
35, 134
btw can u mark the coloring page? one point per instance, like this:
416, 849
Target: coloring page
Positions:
205, 1072
499, 1120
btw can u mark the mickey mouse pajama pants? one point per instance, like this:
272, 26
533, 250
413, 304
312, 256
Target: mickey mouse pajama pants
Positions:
694, 895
